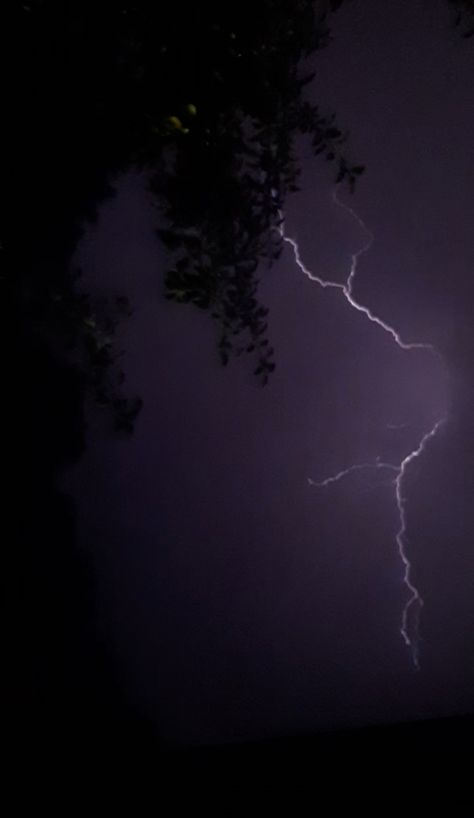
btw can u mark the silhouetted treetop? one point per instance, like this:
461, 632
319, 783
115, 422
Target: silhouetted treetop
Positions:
464, 16
207, 100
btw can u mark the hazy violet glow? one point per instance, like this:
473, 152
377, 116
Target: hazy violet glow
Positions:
409, 632
259, 550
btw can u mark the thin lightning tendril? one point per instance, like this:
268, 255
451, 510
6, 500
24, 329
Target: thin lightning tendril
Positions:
415, 601
358, 467
415, 597
346, 288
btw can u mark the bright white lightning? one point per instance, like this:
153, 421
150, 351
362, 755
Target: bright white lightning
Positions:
346, 288
345, 472
411, 637
415, 597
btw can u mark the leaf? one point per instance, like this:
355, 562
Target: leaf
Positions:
175, 122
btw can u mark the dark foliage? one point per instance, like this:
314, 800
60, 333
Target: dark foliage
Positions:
103, 87
464, 16
231, 160
208, 102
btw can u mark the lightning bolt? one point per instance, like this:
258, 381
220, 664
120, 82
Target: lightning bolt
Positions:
415, 599
414, 604
345, 472
346, 288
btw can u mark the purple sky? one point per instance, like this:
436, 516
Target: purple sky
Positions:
242, 601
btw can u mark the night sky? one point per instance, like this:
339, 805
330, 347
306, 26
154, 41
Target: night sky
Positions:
242, 601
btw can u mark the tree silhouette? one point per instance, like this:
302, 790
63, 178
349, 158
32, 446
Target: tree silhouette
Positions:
207, 101
464, 16
208, 105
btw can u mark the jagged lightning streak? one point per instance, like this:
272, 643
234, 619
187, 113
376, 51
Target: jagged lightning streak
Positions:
345, 472
415, 597
346, 288
415, 600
